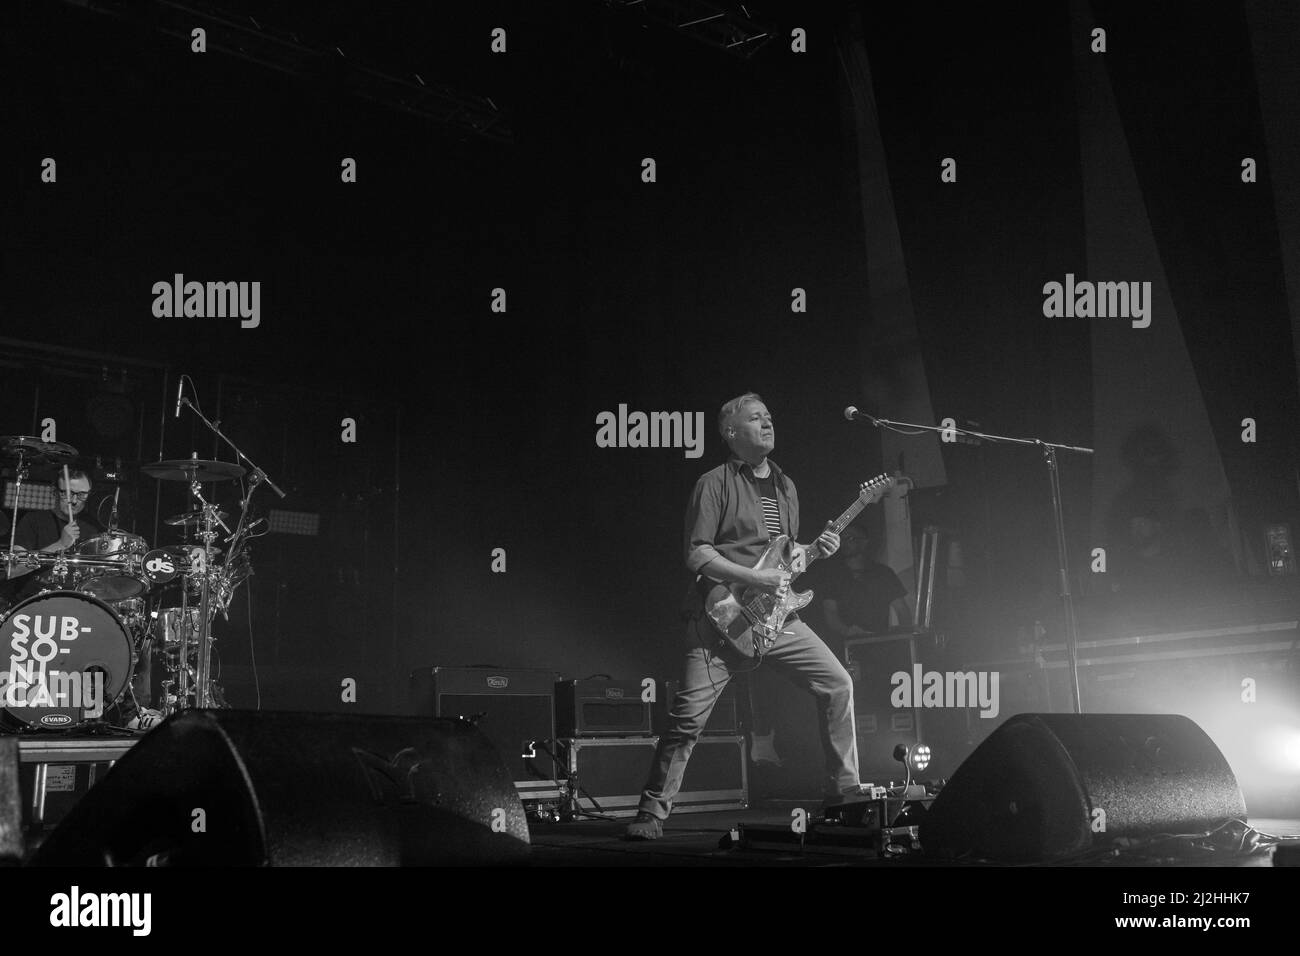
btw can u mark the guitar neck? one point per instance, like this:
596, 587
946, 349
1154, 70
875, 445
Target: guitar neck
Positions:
851, 512
838, 525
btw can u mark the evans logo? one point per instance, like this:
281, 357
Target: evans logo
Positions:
498, 682
614, 693
52, 720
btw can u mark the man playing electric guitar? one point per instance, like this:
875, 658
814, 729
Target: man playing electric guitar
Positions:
734, 511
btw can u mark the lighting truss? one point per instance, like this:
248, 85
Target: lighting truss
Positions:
242, 36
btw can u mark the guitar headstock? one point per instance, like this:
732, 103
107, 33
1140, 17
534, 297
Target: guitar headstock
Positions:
876, 488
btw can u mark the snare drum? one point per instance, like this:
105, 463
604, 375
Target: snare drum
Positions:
120, 573
66, 658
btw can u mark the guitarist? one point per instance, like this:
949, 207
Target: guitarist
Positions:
734, 511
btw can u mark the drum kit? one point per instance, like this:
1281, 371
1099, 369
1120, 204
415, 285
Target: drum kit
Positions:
69, 652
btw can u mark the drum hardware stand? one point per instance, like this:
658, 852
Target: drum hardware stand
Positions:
202, 677
112, 516
59, 572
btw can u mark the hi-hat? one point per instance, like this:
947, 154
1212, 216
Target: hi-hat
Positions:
33, 449
193, 469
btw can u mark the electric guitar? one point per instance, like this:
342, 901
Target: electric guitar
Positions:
749, 618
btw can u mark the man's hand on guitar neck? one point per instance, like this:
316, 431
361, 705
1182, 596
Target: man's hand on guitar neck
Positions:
828, 542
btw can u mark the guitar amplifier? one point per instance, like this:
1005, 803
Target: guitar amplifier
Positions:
515, 710
601, 708
724, 721
613, 771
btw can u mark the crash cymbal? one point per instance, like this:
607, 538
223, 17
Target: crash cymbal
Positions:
33, 449
193, 469
191, 519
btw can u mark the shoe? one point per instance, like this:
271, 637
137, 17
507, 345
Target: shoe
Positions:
644, 827
145, 719
762, 750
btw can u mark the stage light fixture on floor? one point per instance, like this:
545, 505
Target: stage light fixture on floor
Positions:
915, 757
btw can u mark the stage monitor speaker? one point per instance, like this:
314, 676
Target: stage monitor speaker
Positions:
230, 788
1046, 787
11, 810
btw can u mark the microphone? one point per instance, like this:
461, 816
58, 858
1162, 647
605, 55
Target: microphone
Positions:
852, 412
180, 390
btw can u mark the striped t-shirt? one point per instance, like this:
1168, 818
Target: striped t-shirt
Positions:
771, 512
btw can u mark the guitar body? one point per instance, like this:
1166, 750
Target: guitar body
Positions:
749, 619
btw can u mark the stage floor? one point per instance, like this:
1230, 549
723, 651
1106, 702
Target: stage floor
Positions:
694, 839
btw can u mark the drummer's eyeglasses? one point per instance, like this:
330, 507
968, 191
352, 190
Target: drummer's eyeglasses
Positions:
77, 495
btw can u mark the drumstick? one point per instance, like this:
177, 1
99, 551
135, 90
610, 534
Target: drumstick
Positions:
67, 494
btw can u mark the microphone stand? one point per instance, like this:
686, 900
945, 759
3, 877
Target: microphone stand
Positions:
1049, 450
216, 430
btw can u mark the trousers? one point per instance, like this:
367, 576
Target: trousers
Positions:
801, 657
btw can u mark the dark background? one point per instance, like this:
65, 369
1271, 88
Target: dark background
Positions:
666, 296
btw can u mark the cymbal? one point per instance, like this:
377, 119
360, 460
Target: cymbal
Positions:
191, 519
193, 469
33, 449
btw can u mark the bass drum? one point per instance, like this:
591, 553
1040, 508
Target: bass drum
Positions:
67, 659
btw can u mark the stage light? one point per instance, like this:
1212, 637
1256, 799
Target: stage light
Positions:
36, 496
294, 522
915, 758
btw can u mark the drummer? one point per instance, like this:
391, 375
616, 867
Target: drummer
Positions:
55, 530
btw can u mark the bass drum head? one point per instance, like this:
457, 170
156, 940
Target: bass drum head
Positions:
65, 659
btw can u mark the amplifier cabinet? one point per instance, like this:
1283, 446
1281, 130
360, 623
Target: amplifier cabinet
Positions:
514, 708
601, 708
723, 721
613, 771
